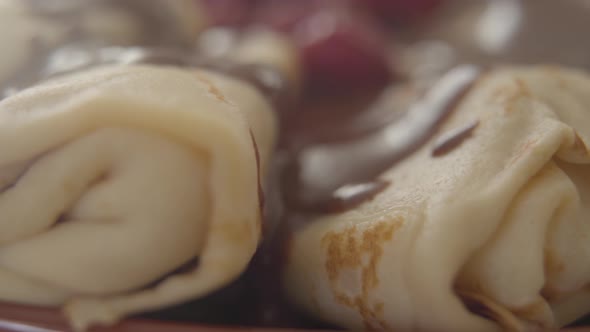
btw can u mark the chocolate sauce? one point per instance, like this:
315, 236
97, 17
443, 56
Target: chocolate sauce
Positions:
363, 159
454, 140
304, 197
321, 169
258, 175
317, 122
256, 298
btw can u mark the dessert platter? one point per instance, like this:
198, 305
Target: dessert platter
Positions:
266, 165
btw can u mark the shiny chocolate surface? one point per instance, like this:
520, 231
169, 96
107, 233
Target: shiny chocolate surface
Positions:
323, 168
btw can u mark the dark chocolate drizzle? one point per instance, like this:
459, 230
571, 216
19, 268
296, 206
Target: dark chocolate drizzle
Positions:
321, 169
454, 140
258, 175
302, 203
363, 159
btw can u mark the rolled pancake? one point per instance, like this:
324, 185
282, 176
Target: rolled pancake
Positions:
115, 177
483, 228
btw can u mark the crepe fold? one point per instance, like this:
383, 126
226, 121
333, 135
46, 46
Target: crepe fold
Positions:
114, 178
485, 227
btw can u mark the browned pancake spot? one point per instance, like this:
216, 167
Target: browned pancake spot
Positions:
212, 89
346, 251
522, 88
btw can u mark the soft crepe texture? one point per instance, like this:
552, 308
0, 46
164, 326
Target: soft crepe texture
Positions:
500, 223
115, 177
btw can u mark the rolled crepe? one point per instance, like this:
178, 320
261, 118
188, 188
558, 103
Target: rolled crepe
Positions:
115, 177
485, 227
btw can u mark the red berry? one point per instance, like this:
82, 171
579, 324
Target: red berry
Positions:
342, 51
284, 15
228, 12
401, 10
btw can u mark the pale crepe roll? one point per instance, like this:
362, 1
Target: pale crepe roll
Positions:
114, 178
486, 227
